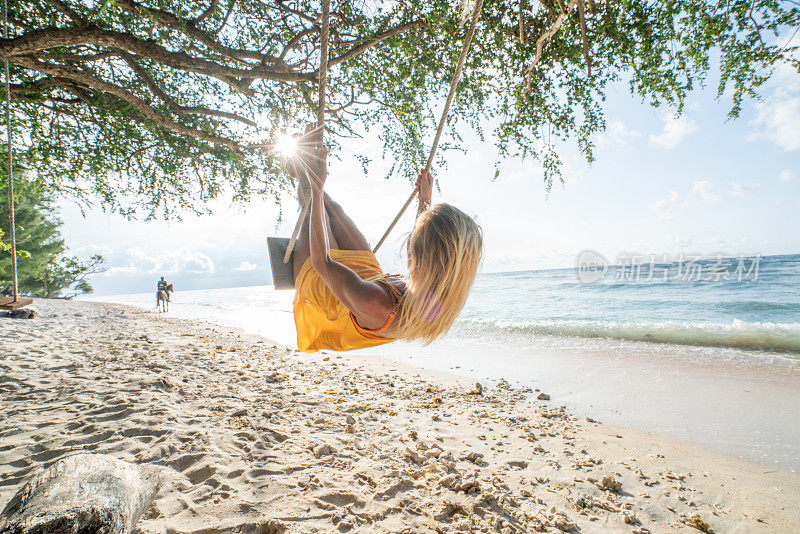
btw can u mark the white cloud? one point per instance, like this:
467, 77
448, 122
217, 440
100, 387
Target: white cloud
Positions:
198, 262
737, 190
741, 190
617, 133
246, 266
703, 189
778, 115
664, 206
672, 198
786, 175
171, 262
779, 121
92, 248
682, 242
675, 130
120, 269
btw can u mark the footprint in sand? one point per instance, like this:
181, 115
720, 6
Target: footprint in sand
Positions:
201, 474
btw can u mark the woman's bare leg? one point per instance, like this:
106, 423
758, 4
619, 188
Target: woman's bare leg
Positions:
302, 248
345, 231
343, 234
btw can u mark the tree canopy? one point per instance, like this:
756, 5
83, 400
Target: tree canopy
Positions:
162, 104
46, 269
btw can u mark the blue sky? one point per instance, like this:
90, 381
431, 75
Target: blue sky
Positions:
697, 184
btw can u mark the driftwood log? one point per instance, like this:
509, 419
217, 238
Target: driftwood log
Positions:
82, 494
22, 313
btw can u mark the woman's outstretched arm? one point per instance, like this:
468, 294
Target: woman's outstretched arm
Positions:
368, 301
424, 185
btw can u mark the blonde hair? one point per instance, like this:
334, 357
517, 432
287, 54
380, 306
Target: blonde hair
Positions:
444, 252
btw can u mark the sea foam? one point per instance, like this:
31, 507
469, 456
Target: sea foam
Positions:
780, 337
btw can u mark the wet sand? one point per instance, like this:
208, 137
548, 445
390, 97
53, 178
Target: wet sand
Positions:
749, 410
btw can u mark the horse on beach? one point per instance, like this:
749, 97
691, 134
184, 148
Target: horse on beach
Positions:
162, 298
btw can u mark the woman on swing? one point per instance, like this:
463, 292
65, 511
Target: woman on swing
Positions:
344, 301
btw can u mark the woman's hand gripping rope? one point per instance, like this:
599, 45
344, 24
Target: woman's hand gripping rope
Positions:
308, 165
424, 185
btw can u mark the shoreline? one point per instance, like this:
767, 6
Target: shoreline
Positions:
712, 397
251, 432
747, 411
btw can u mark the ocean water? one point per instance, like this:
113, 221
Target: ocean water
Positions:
690, 350
708, 304
759, 314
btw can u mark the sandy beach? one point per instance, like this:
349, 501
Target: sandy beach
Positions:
252, 436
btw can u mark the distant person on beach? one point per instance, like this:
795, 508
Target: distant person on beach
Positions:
163, 289
344, 301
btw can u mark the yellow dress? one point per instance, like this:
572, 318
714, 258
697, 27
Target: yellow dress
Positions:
322, 321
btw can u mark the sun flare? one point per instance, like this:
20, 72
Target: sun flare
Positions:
286, 145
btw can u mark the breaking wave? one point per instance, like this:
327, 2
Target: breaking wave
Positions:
778, 337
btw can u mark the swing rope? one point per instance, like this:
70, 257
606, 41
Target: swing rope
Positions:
323, 73
322, 83
10, 166
476, 10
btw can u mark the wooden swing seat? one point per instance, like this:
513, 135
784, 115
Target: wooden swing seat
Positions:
8, 303
282, 273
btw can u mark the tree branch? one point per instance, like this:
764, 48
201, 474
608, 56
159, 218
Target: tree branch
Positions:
63, 8
227, 16
38, 89
584, 39
141, 150
551, 10
208, 12
294, 40
137, 103
544, 38
189, 28
758, 28
300, 14
41, 40
170, 102
372, 41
